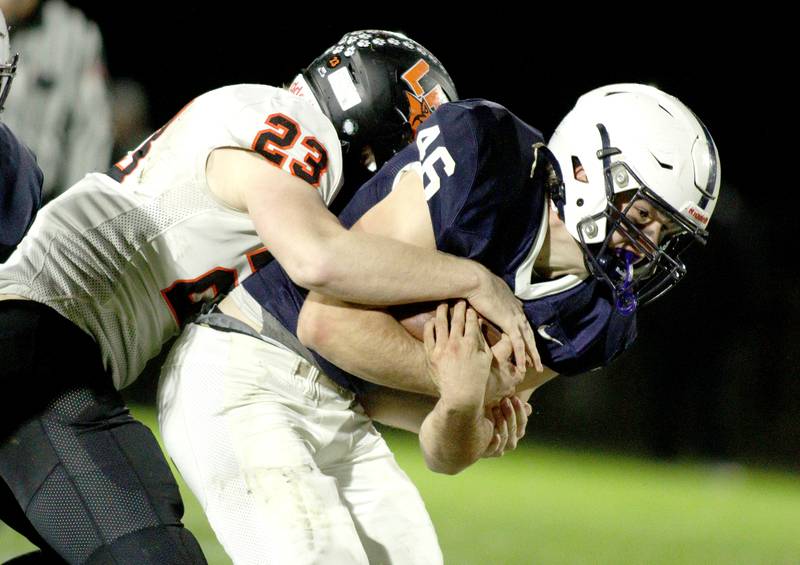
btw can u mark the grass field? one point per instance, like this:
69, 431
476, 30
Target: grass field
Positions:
545, 506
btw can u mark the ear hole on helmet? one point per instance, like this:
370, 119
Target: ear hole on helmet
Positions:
368, 158
578, 171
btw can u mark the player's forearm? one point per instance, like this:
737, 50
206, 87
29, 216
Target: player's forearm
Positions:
319, 254
396, 408
367, 343
454, 436
355, 266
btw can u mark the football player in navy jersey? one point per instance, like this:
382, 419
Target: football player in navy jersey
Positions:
20, 191
20, 198
258, 403
20, 176
629, 179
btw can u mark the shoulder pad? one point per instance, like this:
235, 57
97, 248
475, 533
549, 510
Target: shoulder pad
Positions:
288, 131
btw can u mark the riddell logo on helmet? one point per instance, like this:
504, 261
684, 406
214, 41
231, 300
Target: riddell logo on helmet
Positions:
698, 215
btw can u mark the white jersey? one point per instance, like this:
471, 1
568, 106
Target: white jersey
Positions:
129, 256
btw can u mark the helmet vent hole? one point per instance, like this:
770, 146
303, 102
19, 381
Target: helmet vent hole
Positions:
578, 171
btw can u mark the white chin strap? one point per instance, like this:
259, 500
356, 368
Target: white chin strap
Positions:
299, 87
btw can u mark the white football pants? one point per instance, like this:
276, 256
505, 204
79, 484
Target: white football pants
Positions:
285, 463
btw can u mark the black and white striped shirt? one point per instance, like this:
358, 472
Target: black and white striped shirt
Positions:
59, 104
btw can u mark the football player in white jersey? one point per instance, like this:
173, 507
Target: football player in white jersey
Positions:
273, 439
111, 269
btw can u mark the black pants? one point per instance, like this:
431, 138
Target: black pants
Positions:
81, 478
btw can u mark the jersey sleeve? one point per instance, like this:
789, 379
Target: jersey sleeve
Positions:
20, 190
291, 134
580, 329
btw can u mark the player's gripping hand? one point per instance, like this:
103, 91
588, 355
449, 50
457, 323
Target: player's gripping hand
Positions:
510, 420
459, 359
504, 377
495, 301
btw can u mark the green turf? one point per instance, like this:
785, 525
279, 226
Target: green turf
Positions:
549, 506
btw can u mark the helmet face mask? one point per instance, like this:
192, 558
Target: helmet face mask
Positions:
637, 269
8, 63
639, 149
377, 87
7, 71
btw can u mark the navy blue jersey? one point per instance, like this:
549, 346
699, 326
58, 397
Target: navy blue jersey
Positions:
476, 161
20, 191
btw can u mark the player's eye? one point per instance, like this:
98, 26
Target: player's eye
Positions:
643, 213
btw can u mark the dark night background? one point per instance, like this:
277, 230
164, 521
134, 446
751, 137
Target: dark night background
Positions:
714, 373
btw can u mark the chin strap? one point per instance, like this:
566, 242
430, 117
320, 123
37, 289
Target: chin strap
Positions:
625, 297
552, 175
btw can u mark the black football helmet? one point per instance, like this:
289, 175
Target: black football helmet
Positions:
377, 87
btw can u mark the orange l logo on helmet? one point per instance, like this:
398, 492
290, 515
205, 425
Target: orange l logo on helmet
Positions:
420, 103
334, 61
413, 75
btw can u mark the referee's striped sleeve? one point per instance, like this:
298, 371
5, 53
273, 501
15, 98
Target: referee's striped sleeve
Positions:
89, 139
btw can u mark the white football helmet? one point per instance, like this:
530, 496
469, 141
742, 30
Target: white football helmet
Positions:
8, 63
635, 139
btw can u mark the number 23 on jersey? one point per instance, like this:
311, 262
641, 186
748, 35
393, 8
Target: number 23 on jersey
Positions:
279, 140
